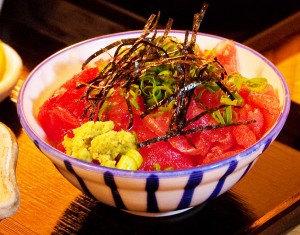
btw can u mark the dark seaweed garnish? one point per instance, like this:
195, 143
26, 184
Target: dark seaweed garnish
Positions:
135, 57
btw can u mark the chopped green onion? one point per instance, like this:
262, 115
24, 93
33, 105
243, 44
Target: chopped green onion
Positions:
168, 168
226, 100
228, 115
134, 103
223, 116
134, 92
156, 166
212, 87
238, 100
218, 116
211, 68
156, 87
252, 84
256, 84
102, 65
165, 73
237, 80
168, 107
102, 109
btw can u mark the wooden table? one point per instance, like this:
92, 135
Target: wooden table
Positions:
267, 200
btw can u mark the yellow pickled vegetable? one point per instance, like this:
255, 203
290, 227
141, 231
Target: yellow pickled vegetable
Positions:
2, 60
132, 160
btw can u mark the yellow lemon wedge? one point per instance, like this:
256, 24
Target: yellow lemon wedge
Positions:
9, 191
2, 60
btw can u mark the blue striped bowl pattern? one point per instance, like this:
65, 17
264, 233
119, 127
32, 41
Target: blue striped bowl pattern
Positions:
144, 193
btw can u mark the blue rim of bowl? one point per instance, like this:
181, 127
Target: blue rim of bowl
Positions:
272, 134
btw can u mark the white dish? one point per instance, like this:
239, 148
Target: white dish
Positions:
152, 193
12, 72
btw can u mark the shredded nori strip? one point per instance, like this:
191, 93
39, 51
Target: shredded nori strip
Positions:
190, 131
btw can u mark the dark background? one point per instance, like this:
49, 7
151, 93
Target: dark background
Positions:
70, 21
237, 19
59, 23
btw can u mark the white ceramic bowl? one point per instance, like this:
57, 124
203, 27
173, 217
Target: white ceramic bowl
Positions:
12, 71
144, 193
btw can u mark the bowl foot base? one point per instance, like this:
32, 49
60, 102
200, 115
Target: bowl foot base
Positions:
158, 214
